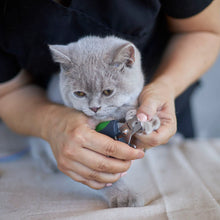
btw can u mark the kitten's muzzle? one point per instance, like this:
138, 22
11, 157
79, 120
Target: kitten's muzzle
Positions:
95, 109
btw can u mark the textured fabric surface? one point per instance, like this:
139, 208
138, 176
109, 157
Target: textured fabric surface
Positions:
179, 181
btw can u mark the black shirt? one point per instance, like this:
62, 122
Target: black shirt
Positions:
27, 27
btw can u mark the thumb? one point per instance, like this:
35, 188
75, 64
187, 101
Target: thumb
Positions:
147, 110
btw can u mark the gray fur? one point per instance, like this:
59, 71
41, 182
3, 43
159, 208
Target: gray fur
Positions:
92, 65
95, 64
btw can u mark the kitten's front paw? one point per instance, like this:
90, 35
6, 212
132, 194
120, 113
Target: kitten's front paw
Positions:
126, 199
119, 195
147, 126
150, 126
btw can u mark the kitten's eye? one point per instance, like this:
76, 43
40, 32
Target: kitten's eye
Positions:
107, 92
80, 94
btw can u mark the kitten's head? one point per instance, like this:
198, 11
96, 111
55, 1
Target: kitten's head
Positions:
101, 77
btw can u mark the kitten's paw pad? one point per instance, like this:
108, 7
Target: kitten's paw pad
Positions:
130, 114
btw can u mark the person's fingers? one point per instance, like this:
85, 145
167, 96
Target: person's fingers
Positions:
149, 105
98, 162
91, 183
151, 140
107, 146
138, 144
166, 130
147, 108
158, 137
91, 174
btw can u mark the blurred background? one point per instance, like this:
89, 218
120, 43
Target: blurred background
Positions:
206, 104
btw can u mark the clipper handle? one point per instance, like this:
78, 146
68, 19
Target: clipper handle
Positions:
111, 129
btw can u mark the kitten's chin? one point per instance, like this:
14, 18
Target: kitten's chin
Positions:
109, 117
103, 118
99, 117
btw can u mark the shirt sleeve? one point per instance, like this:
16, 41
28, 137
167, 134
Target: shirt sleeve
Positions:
9, 67
184, 8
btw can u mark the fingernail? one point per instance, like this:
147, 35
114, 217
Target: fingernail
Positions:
108, 184
132, 161
123, 174
142, 117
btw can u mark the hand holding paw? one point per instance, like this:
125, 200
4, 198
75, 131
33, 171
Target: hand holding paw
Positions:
157, 114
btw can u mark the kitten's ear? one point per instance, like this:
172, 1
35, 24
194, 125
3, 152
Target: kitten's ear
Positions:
60, 54
125, 55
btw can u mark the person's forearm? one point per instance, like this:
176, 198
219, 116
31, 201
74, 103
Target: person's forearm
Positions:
187, 57
25, 110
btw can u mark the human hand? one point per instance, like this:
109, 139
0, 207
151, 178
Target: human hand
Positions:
157, 98
81, 152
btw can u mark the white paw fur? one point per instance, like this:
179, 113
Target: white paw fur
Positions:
148, 126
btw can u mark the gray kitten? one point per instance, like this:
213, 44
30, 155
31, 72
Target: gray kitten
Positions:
102, 77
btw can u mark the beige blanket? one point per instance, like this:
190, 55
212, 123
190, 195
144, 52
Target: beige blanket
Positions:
180, 181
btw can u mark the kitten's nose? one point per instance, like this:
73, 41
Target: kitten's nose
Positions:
95, 109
